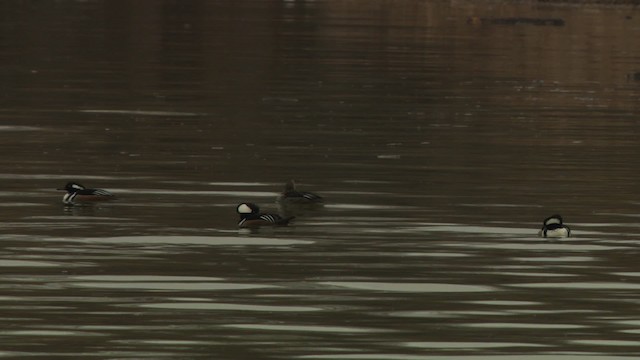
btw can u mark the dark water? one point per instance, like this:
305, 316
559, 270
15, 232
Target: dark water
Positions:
440, 145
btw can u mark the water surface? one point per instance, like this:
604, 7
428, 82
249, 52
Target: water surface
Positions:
439, 143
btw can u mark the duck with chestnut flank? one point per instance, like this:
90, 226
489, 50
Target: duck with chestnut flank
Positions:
553, 227
77, 193
250, 216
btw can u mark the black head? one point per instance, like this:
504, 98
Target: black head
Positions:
290, 186
553, 219
72, 187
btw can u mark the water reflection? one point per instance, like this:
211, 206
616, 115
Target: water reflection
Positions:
408, 287
27, 263
467, 345
141, 112
304, 328
438, 144
187, 240
230, 307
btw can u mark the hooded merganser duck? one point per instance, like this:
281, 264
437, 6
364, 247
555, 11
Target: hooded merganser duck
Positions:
78, 193
250, 216
290, 194
553, 227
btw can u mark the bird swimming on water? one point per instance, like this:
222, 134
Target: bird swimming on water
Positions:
553, 227
77, 193
250, 216
292, 195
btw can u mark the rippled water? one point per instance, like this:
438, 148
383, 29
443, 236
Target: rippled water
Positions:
439, 143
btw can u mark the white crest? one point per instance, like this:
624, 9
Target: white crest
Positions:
77, 187
244, 209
